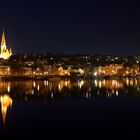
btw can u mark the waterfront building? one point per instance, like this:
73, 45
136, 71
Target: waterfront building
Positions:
5, 70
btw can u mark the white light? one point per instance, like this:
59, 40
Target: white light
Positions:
32, 92
38, 87
59, 87
95, 73
80, 83
8, 88
117, 93
95, 81
52, 95
34, 84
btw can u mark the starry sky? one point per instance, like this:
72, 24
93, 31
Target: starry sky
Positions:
72, 26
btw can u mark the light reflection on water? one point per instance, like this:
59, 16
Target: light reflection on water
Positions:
43, 90
46, 88
6, 101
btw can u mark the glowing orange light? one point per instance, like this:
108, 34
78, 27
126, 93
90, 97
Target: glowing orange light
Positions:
6, 101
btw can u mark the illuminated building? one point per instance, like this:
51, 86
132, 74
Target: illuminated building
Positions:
6, 101
5, 53
5, 70
110, 70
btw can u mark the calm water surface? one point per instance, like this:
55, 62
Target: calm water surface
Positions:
80, 104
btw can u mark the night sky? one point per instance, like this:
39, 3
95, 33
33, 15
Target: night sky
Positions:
66, 26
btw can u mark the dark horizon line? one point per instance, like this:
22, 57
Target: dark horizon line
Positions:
67, 54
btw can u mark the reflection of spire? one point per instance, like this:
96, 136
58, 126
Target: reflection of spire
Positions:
6, 101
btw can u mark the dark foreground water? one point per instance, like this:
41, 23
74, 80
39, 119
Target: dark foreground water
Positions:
51, 108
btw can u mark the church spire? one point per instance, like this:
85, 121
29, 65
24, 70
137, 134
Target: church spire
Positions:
3, 41
5, 53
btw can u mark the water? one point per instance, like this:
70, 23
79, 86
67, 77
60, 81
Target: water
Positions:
98, 105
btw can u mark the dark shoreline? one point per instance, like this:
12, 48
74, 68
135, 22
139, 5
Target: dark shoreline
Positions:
57, 77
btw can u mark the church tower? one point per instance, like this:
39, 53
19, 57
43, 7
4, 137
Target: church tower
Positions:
3, 43
5, 53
